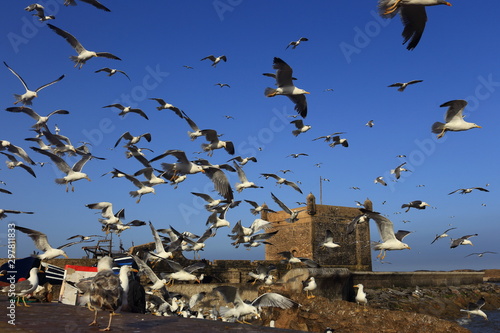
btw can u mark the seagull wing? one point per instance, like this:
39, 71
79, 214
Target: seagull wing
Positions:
58, 161
158, 243
78, 166
283, 73
384, 225
96, 4
221, 183
194, 267
50, 83
273, 299
272, 175
414, 19
241, 174
402, 234
281, 204
229, 293
69, 38
18, 76
293, 185
107, 55
455, 109
39, 238
145, 268
300, 104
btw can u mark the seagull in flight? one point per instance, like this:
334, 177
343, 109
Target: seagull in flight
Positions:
468, 190
215, 60
127, 109
29, 95
296, 43
442, 235
83, 54
281, 180
286, 87
293, 213
402, 86
454, 119
40, 12
94, 3
111, 71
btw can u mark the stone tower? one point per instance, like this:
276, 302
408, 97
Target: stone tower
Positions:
306, 235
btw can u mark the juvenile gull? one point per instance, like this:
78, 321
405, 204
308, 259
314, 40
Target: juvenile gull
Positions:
454, 119
286, 87
29, 95
106, 292
83, 54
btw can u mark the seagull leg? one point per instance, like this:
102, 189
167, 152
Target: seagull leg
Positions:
440, 135
392, 8
24, 302
109, 323
94, 323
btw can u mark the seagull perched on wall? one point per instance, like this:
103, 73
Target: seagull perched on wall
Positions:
111, 71
412, 14
454, 119
215, 60
293, 213
83, 54
308, 286
402, 86
286, 87
29, 95
468, 190
417, 204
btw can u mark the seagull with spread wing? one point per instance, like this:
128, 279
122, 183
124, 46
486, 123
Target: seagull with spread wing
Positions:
14, 163
83, 54
167, 106
468, 190
386, 231
293, 213
215, 60
127, 109
41, 121
214, 143
111, 71
286, 87
454, 119
94, 3
29, 95
244, 182
42, 243
281, 180
402, 85
442, 235
296, 43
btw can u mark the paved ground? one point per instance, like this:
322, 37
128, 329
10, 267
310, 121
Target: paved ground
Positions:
60, 318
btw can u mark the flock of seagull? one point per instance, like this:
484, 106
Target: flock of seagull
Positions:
57, 148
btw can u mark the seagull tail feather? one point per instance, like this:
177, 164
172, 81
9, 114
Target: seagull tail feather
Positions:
60, 181
296, 132
437, 127
270, 92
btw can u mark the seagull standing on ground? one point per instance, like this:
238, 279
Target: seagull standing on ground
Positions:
286, 87
105, 291
83, 54
361, 295
29, 95
25, 287
454, 119
412, 14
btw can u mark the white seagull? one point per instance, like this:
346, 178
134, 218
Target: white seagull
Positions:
244, 182
216, 60
40, 120
42, 243
442, 235
475, 308
402, 85
301, 128
464, 240
281, 180
142, 187
83, 54
386, 231
294, 214
308, 286
468, 190
296, 43
111, 71
167, 106
29, 95
328, 242
127, 109
25, 287
13, 163
72, 173
286, 87
360, 295
40, 12
454, 119
9, 211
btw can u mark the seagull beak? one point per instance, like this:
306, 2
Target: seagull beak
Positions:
306, 92
477, 125
447, 4
134, 270
355, 286
409, 248
65, 256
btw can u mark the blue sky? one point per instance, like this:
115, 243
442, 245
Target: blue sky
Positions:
350, 50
